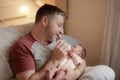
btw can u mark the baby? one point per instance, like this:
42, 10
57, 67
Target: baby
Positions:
74, 57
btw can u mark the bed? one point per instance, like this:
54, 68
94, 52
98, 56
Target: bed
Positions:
10, 34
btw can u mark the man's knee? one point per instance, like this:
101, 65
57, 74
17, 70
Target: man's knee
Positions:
100, 72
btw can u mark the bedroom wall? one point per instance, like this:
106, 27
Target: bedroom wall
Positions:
86, 22
10, 9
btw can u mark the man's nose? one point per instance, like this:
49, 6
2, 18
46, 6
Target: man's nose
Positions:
61, 31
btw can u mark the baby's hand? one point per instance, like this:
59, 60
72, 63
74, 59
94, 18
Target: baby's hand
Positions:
76, 59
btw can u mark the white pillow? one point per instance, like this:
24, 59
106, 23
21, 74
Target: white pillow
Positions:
8, 36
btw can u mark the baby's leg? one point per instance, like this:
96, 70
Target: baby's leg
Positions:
59, 75
49, 74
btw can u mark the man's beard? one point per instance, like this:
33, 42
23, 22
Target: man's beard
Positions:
50, 37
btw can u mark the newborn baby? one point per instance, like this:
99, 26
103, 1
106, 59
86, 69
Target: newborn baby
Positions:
74, 57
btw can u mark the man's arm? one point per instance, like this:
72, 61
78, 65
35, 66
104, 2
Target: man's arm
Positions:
32, 75
58, 55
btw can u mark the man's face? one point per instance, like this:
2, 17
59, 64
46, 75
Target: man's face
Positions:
54, 27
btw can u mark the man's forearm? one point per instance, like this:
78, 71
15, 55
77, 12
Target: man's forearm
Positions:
40, 74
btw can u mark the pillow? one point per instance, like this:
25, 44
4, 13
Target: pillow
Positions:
8, 36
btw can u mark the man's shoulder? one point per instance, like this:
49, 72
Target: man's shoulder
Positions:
24, 41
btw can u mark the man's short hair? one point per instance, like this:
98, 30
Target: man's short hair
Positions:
48, 10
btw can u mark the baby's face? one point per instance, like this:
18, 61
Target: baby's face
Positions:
78, 50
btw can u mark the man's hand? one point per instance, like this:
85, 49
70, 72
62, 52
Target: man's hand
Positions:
59, 54
60, 50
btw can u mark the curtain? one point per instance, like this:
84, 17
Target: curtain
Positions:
111, 43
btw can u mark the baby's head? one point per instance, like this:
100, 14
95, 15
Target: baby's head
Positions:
79, 50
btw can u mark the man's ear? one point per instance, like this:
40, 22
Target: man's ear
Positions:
44, 20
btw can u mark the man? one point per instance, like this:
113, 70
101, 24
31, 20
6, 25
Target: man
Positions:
37, 52
33, 54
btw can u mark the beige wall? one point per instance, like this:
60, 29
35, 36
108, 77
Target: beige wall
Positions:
11, 8
86, 22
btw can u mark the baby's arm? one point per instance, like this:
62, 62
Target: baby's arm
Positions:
76, 59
